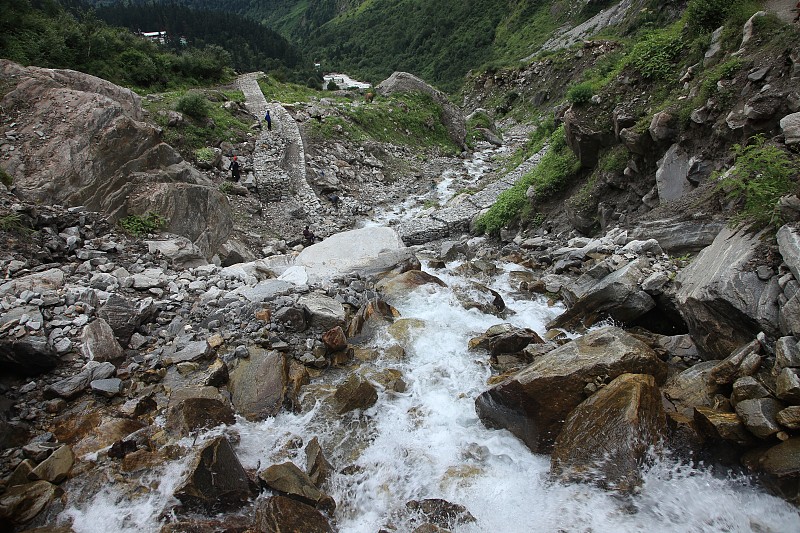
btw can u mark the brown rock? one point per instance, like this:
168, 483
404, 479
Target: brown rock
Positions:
743, 362
292, 482
355, 393
607, 437
441, 513
335, 339
505, 339
22, 503
374, 311
534, 403
721, 425
318, 467
55, 468
692, 388
192, 414
216, 480
258, 384
398, 287
279, 514
107, 433
789, 417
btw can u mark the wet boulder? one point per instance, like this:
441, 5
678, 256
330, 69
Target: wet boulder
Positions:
278, 514
722, 425
605, 440
398, 287
534, 402
317, 466
258, 384
288, 480
440, 513
356, 392
745, 361
618, 294
480, 297
216, 480
335, 339
22, 503
191, 414
371, 314
760, 416
505, 339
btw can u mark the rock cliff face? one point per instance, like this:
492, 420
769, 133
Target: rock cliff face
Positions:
74, 139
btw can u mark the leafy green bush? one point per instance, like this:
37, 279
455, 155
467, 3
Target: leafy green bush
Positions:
761, 174
225, 187
142, 225
581, 93
204, 155
193, 104
707, 15
547, 178
614, 160
655, 54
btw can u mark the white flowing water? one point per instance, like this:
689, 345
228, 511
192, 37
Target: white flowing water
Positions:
428, 442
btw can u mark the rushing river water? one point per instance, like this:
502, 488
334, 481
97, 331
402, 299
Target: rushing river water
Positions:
427, 442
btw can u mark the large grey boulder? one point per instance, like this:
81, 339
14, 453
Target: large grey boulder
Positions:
52, 279
607, 437
722, 299
671, 176
453, 119
679, 236
790, 125
258, 384
73, 386
85, 143
618, 294
323, 311
534, 403
371, 251
692, 388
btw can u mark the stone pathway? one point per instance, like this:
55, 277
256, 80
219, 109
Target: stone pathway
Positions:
284, 179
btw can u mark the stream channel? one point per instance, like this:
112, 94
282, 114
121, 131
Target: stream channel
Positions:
427, 442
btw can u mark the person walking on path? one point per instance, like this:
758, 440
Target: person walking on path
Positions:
235, 169
268, 119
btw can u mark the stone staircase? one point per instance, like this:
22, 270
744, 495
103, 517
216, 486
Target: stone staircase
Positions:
284, 178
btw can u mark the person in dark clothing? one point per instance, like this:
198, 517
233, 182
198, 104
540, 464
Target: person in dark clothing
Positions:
235, 169
334, 200
309, 236
268, 120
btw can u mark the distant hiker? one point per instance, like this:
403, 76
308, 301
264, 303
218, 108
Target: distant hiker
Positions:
235, 169
268, 119
334, 200
309, 236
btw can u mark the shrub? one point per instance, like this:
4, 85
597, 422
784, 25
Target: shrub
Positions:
332, 86
225, 187
581, 93
142, 225
193, 104
655, 54
707, 15
204, 155
761, 174
13, 222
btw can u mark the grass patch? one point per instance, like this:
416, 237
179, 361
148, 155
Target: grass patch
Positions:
407, 119
214, 123
655, 54
761, 175
549, 177
275, 90
478, 120
142, 225
12, 222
